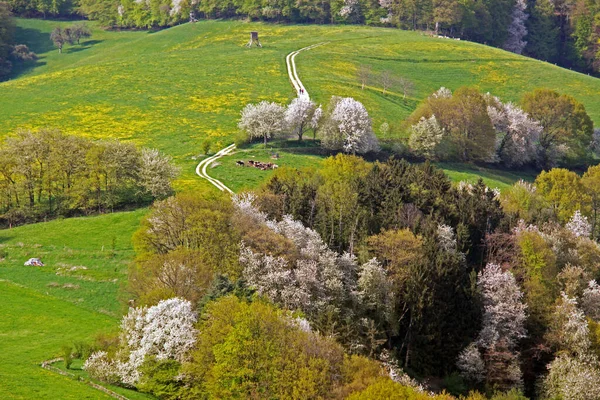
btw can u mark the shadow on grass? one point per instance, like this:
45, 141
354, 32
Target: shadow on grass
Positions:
37, 41
83, 46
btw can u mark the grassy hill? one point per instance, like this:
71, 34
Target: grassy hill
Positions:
174, 88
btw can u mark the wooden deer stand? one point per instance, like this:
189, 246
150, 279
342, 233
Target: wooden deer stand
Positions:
254, 39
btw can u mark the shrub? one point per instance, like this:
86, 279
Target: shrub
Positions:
67, 354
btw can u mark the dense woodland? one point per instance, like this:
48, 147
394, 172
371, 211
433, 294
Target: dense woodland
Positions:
385, 269
565, 32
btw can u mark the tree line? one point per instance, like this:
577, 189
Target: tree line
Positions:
563, 32
48, 174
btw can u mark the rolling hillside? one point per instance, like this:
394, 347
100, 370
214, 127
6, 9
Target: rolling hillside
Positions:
174, 88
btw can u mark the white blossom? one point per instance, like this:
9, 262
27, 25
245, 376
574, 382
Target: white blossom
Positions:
504, 311
156, 172
99, 366
471, 363
262, 120
350, 7
524, 227
517, 29
590, 301
316, 118
175, 7
397, 374
579, 225
299, 114
426, 136
446, 237
350, 128
570, 378
317, 279
374, 287
517, 135
442, 93
165, 331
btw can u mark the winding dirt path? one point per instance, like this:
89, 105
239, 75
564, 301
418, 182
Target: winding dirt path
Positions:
290, 61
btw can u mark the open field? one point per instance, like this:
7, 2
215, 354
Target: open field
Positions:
174, 88
43, 308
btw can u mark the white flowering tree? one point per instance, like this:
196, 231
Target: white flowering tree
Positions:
315, 121
375, 289
315, 281
263, 120
349, 128
156, 173
299, 115
165, 331
575, 373
442, 93
503, 326
517, 30
446, 237
590, 301
579, 225
517, 135
425, 137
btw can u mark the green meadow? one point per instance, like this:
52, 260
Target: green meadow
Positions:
175, 88
73, 297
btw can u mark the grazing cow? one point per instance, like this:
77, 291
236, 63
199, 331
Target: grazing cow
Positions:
240, 163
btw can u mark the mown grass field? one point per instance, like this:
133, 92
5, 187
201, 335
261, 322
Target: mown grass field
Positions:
73, 297
174, 88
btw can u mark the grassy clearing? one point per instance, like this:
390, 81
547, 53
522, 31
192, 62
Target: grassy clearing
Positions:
493, 178
46, 307
174, 88
33, 326
86, 258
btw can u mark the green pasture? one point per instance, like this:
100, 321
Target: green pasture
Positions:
175, 88
74, 296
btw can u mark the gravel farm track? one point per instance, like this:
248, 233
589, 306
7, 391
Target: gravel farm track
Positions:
290, 61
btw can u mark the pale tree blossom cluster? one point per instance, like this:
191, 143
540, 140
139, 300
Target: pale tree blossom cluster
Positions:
263, 120
316, 118
426, 135
571, 379
349, 128
442, 93
517, 30
522, 226
397, 374
579, 225
299, 116
590, 301
575, 372
101, 367
318, 279
165, 331
446, 237
350, 7
517, 135
156, 173
503, 326
375, 289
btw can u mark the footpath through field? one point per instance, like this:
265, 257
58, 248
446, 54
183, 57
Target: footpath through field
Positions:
290, 61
